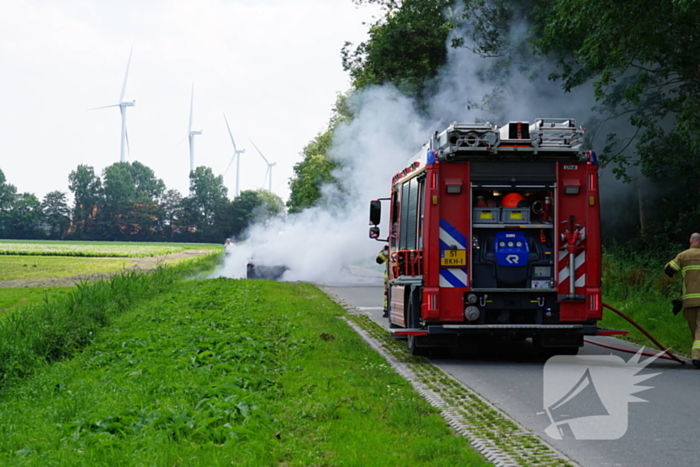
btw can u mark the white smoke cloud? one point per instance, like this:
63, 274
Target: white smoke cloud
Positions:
330, 244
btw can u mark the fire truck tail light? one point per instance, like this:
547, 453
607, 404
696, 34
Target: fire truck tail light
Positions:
432, 302
594, 302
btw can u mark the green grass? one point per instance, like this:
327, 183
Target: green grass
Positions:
654, 314
45, 267
218, 372
636, 285
15, 297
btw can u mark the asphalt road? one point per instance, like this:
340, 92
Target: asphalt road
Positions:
660, 432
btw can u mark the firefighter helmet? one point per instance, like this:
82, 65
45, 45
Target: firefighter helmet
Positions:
511, 200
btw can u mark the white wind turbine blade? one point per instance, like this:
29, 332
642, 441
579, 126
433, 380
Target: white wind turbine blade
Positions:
269, 167
104, 107
230, 134
126, 76
235, 150
261, 154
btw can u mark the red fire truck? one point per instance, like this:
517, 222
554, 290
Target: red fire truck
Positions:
495, 231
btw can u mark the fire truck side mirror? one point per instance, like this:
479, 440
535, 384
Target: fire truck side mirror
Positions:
374, 232
375, 212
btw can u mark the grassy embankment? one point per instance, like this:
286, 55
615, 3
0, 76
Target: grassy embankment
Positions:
147, 369
636, 285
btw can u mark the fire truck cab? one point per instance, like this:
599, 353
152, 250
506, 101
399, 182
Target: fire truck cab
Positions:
494, 231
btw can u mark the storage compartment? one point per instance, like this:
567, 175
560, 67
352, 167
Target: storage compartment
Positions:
515, 215
486, 215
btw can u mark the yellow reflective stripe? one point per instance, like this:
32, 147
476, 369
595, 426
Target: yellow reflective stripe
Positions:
674, 265
690, 295
693, 267
696, 345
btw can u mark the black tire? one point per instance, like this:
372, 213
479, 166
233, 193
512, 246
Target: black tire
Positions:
412, 321
414, 348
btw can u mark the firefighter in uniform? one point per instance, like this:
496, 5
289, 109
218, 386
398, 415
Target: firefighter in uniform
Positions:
688, 264
383, 258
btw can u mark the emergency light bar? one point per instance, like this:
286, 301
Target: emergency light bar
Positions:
515, 133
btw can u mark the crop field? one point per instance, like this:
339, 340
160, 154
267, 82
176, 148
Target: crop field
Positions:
30, 271
95, 249
145, 368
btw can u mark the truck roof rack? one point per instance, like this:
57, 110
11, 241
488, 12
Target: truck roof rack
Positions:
549, 138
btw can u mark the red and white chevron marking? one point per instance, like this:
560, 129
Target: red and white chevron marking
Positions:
579, 263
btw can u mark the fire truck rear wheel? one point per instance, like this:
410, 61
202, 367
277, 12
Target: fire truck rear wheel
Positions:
414, 348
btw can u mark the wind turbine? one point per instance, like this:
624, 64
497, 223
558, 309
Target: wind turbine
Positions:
269, 167
122, 104
236, 155
192, 133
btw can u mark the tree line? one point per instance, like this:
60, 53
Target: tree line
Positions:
128, 202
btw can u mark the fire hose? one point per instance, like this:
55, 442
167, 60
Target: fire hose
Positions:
668, 356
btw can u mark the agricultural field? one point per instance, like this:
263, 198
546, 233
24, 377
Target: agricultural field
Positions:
32, 270
145, 368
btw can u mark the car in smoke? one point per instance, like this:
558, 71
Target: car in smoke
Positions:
259, 271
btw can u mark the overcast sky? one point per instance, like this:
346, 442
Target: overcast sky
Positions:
272, 66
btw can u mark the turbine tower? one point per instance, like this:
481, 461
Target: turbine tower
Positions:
192, 133
269, 167
236, 155
122, 104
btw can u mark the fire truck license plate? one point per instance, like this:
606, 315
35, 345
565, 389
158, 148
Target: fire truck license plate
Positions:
453, 258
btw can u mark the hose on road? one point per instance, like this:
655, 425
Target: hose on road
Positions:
668, 356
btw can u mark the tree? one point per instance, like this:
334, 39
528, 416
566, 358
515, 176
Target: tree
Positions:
7, 192
56, 213
87, 200
131, 191
207, 192
406, 47
145, 182
7, 196
254, 207
271, 205
172, 214
24, 217
644, 61
119, 198
309, 176
317, 166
